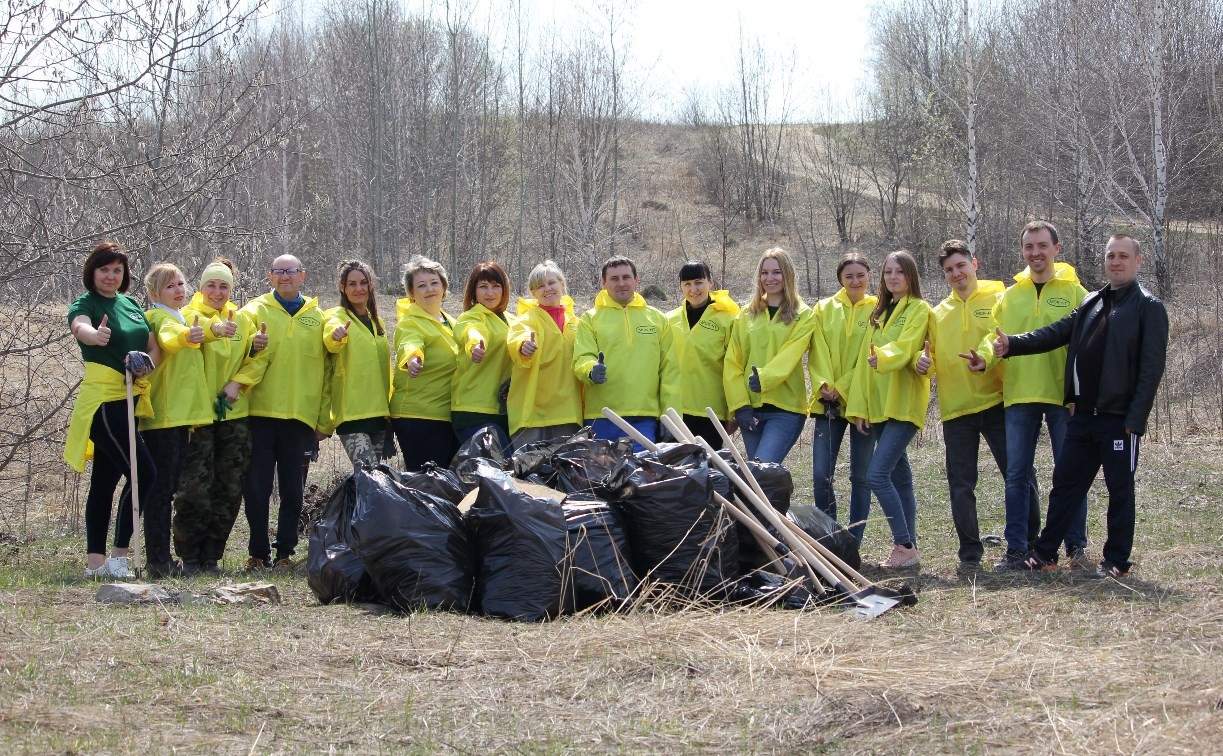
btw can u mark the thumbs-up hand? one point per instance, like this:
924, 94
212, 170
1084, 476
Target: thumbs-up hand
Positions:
195, 334
753, 381
924, 360
229, 327
260, 342
1002, 344
101, 337
415, 365
477, 352
976, 363
598, 373
529, 346
873, 359
340, 332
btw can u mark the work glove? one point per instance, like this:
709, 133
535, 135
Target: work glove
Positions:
138, 364
746, 418
753, 380
221, 406
598, 373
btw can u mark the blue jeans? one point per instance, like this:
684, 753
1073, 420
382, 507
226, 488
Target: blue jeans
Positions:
891, 478
775, 434
1022, 433
826, 446
608, 431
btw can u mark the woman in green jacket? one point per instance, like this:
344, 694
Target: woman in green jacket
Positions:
359, 366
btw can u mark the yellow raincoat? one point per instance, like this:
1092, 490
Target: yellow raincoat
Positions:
893, 391
427, 396
776, 349
956, 327
543, 388
702, 350
474, 387
360, 372
836, 341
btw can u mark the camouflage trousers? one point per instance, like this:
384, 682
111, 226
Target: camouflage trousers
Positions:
210, 489
364, 448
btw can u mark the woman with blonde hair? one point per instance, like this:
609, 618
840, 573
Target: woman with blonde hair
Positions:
178, 390
214, 471
888, 398
359, 366
425, 355
482, 374
109, 326
762, 374
545, 399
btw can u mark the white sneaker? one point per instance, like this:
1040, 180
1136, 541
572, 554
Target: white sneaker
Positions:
119, 567
95, 573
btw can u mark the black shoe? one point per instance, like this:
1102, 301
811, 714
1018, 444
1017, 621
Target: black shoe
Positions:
1036, 563
1110, 569
1012, 561
191, 568
210, 567
969, 565
158, 570
1076, 558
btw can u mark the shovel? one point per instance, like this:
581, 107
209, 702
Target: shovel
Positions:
132, 479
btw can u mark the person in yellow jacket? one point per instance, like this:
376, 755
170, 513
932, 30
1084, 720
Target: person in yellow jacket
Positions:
836, 342
178, 392
702, 326
360, 366
287, 407
545, 399
108, 325
888, 398
624, 354
214, 470
763, 371
482, 373
970, 403
1043, 293
425, 356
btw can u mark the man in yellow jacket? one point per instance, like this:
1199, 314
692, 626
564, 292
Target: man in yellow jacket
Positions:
970, 403
287, 407
624, 354
1044, 293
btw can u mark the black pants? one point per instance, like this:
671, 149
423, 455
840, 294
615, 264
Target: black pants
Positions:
277, 450
110, 463
1092, 442
702, 426
424, 441
168, 447
961, 440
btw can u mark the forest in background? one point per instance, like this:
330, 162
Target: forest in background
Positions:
186, 129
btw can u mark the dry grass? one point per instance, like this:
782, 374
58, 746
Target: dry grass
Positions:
1026, 664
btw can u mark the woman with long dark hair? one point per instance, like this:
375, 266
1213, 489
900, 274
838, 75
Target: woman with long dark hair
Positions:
482, 373
889, 398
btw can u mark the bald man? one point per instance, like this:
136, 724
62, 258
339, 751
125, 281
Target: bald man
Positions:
285, 385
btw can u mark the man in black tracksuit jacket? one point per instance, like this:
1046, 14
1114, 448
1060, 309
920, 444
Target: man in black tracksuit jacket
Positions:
1118, 339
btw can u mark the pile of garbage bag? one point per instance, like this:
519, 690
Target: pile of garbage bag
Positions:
560, 527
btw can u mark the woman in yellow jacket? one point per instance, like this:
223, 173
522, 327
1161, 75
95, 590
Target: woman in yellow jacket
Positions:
214, 471
702, 326
425, 357
359, 366
762, 374
179, 394
841, 322
482, 373
108, 325
545, 399
888, 398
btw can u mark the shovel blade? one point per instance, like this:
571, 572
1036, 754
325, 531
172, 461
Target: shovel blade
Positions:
871, 605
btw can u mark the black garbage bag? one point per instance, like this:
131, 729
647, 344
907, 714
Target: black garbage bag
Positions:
582, 465
435, 481
761, 588
333, 571
485, 447
414, 545
679, 535
778, 486
533, 461
521, 541
827, 531
598, 574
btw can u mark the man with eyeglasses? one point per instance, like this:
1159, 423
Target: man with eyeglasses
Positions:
285, 385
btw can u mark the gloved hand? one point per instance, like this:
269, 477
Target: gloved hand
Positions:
221, 406
753, 380
745, 417
598, 373
503, 395
138, 364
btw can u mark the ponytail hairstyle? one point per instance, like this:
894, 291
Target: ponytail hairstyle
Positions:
348, 266
907, 264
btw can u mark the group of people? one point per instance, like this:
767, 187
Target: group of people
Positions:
240, 397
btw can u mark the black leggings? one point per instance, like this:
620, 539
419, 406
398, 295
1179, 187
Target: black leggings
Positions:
424, 441
108, 432
168, 448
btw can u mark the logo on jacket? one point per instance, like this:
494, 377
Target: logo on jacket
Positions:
136, 318
710, 325
982, 312
647, 329
1058, 301
310, 321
